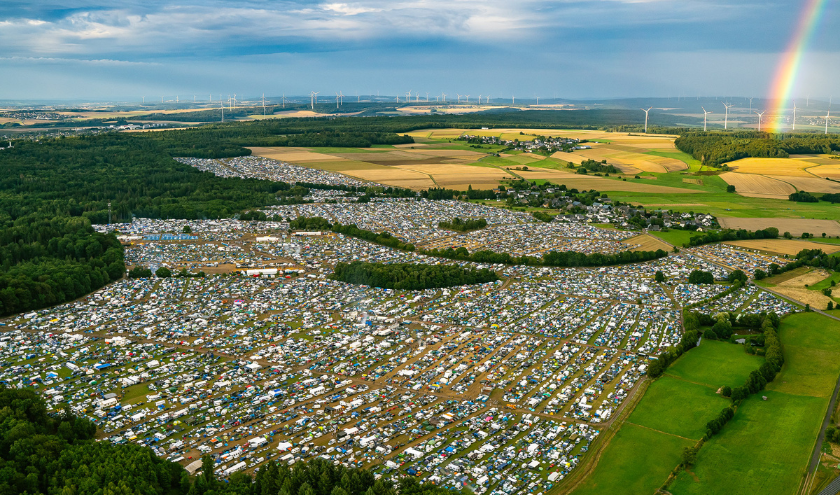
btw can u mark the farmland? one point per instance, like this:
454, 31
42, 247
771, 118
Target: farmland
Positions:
762, 450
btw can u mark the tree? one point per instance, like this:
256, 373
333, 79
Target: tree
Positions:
760, 274
163, 272
730, 188
187, 229
659, 276
726, 391
737, 276
700, 277
689, 456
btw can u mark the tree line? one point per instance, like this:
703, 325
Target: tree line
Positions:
716, 148
410, 276
732, 235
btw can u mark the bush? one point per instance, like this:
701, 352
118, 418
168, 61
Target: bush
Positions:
730, 188
163, 272
139, 272
726, 391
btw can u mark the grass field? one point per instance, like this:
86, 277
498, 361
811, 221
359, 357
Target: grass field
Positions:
715, 364
764, 449
678, 407
636, 461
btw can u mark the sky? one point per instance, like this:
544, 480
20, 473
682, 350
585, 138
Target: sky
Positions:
123, 50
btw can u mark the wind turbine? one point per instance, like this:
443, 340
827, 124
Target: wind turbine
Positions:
646, 117
759, 118
826, 121
263, 98
538, 100
468, 98
444, 97
751, 104
234, 100
336, 101
341, 97
417, 97
312, 95
705, 114
144, 100
479, 99
794, 115
512, 100
427, 97
408, 97
284, 100
222, 107
726, 117
459, 98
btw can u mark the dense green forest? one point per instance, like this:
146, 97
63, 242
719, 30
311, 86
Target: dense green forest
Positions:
716, 148
51, 260
410, 276
57, 455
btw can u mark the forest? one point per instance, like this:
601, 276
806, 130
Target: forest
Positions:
42, 453
410, 276
51, 260
716, 148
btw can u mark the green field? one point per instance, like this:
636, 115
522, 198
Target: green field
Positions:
637, 460
676, 237
764, 449
678, 407
812, 355
715, 364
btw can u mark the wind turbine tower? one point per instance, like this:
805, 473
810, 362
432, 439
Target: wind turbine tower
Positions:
646, 117
468, 98
794, 115
759, 119
427, 97
705, 115
312, 96
726, 116
826, 121
751, 104
263, 99
222, 107
459, 98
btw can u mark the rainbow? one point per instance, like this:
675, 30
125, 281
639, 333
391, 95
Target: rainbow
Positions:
786, 72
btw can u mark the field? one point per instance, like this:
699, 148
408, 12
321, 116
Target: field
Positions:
796, 288
671, 416
766, 447
637, 460
629, 159
758, 186
676, 237
784, 246
811, 184
647, 243
795, 227
790, 167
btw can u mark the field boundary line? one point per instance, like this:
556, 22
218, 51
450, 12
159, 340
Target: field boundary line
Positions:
660, 431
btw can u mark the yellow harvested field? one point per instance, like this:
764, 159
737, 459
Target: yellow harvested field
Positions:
772, 166
647, 242
630, 162
811, 184
796, 226
448, 153
805, 296
293, 154
447, 175
758, 186
831, 171
341, 165
784, 246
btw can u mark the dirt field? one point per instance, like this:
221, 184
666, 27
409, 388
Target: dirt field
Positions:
784, 246
293, 155
648, 243
772, 166
811, 184
795, 226
758, 186
795, 288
